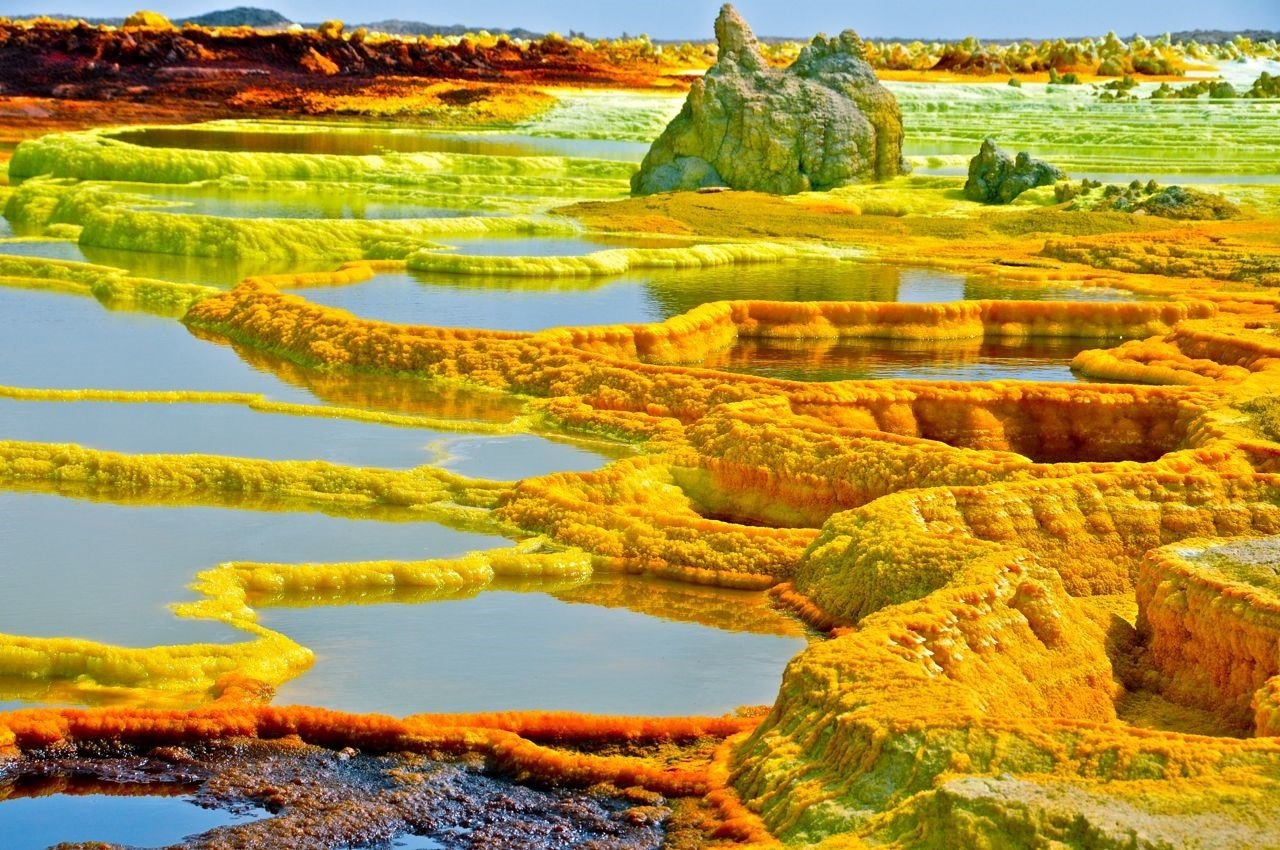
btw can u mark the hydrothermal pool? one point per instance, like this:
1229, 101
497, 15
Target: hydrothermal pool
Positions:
534, 304
53, 340
130, 817
1045, 359
208, 271
548, 655
336, 139
409, 299
286, 201
46, 249
113, 579
237, 431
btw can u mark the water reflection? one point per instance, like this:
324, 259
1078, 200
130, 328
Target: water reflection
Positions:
222, 272
283, 137
502, 649
137, 816
108, 572
45, 249
286, 202
448, 301
60, 341
1041, 359
533, 304
391, 393
237, 431
70, 342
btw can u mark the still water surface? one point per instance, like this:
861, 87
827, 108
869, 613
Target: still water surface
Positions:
865, 360
231, 429
301, 138
70, 342
107, 572
503, 650
534, 304
35, 823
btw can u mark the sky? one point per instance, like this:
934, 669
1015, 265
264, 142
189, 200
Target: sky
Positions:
691, 19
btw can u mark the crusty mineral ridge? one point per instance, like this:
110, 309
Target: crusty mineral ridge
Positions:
997, 178
824, 122
1208, 611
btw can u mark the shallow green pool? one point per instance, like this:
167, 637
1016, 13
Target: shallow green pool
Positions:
297, 137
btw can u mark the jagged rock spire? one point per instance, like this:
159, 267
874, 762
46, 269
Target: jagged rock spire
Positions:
736, 40
823, 122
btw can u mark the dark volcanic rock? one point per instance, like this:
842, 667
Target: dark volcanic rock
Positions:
997, 178
326, 800
824, 122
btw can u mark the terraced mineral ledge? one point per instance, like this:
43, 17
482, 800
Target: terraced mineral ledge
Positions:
374, 483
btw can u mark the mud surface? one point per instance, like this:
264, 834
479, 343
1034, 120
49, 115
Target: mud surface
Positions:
319, 798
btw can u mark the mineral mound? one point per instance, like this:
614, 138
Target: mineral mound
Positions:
997, 178
823, 122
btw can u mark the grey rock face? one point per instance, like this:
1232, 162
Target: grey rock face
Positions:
997, 178
824, 122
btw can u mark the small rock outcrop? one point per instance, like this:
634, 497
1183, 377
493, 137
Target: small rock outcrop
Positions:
997, 178
823, 122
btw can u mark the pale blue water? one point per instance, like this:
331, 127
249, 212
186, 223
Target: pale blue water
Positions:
47, 249
72, 342
524, 455
63, 341
230, 429
35, 823
409, 299
505, 650
107, 572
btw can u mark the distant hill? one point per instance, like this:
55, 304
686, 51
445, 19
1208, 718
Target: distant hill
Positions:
398, 27
252, 16
1221, 36
240, 16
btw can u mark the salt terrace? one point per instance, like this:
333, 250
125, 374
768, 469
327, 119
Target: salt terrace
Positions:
413, 411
